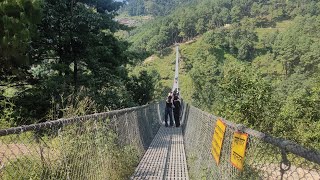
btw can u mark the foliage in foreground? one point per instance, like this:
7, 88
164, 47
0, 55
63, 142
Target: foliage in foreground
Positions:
85, 150
92, 155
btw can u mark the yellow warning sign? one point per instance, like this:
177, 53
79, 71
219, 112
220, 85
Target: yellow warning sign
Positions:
217, 139
238, 149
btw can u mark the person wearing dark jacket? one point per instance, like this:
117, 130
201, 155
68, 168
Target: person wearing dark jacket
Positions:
176, 110
168, 110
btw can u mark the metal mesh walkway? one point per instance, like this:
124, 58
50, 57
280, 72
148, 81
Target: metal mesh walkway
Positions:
165, 158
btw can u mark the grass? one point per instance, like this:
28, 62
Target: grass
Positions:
264, 62
165, 67
82, 150
86, 150
280, 26
10, 92
267, 65
137, 20
23, 138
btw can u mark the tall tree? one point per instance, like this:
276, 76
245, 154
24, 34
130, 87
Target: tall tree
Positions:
18, 19
69, 31
75, 46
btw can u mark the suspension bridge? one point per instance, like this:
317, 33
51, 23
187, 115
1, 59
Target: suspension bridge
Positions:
99, 145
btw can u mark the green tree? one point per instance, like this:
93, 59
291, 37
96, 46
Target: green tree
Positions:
296, 47
136, 7
205, 73
200, 26
235, 14
245, 97
142, 87
18, 19
75, 46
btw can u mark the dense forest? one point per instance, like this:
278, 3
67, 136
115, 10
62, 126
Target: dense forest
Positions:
253, 62
154, 7
191, 20
56, 53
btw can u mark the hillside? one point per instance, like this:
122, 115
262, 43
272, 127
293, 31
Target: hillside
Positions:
253, 62
191, 20
252, 86
152, 7
132, 21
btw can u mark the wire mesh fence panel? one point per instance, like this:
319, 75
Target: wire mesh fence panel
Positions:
99, 146
109, 145
265, 157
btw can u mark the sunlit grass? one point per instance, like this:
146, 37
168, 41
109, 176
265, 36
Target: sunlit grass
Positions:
280, 26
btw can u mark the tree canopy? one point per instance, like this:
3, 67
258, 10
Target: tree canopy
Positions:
252, 62
53, 49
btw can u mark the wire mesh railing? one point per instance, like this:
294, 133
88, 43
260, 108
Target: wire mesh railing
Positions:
265, 157
109, 146
98, 146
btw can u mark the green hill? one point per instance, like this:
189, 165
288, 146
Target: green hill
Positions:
248, 75
253, 62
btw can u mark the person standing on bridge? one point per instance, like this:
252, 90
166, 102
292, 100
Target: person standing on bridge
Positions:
168, 110
176, 110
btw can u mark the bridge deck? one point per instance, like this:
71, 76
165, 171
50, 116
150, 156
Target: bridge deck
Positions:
165, 158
